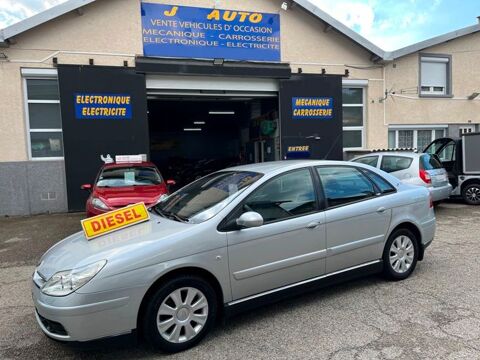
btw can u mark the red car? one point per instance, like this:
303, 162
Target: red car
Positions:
121, 184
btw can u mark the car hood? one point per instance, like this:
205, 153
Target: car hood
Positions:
122, 196
130, 247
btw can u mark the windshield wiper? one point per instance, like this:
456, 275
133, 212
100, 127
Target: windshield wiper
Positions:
170, 215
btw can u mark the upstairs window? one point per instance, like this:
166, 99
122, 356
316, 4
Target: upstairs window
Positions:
435, 75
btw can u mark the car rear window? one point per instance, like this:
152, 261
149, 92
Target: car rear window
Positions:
395, 163
368, 160
429, 162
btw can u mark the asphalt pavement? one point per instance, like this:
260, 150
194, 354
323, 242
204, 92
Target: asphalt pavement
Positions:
435, 314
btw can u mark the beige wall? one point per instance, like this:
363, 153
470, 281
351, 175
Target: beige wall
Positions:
402, 76
109, 31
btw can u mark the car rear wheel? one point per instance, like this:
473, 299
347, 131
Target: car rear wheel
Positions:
400, 255
471, 194
180, 314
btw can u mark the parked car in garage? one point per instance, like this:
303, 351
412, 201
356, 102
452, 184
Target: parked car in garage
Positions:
237, 238
121, 184
412, 168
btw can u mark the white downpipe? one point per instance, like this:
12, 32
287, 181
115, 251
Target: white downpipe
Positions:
384, 73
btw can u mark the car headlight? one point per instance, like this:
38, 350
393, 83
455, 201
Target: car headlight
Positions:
63, 283
99, 204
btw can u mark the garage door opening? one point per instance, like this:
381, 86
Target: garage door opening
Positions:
192, 136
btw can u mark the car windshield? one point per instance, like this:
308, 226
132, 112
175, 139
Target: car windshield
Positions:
129, 176
204, 198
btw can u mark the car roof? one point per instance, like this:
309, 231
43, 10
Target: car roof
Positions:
273, 168
395, 153
121, 165
284, 165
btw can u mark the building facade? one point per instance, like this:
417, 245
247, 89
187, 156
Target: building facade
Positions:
433, 89
54, 62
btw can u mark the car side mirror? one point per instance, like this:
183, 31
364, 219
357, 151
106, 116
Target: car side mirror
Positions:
171, 182
86, 187
250, 219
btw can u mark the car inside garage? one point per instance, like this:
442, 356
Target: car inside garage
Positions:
194, 135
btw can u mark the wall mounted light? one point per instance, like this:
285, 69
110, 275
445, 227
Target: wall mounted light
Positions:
285, 6
218, 62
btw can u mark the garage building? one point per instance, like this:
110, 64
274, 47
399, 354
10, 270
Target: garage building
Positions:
197, 85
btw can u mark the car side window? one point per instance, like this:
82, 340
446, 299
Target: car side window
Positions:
395, 163
368, 160
383, 185
343, 185
283, 197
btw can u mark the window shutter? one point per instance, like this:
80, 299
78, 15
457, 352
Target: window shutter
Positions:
434, 71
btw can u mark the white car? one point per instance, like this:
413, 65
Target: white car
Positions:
412, 168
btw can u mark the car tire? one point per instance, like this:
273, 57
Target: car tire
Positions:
471, 194
400, 255
179, 314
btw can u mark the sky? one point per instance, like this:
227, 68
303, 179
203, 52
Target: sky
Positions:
389, 24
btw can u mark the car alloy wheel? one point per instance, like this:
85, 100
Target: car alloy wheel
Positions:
179, 313
401, 254
182, 315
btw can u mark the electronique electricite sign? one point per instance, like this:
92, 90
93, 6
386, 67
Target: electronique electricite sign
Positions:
192, 32
312, 108
103, 106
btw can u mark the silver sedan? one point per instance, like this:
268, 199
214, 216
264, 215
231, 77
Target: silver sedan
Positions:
232, 240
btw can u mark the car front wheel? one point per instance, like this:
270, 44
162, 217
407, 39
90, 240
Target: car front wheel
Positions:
400, 254
180, 314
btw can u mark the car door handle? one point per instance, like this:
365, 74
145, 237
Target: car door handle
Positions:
314, 224
381, 210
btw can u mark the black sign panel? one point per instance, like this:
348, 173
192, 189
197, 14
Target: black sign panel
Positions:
104, 111
311, 117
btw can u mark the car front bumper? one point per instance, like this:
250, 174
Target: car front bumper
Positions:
85, 317
441, 192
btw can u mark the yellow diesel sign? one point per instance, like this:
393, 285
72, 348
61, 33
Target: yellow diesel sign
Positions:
115, 220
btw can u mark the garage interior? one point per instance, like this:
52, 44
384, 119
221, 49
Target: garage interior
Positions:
193, 135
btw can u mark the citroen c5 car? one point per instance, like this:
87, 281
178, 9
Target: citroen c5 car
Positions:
121, 184
233, 239
412, 168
